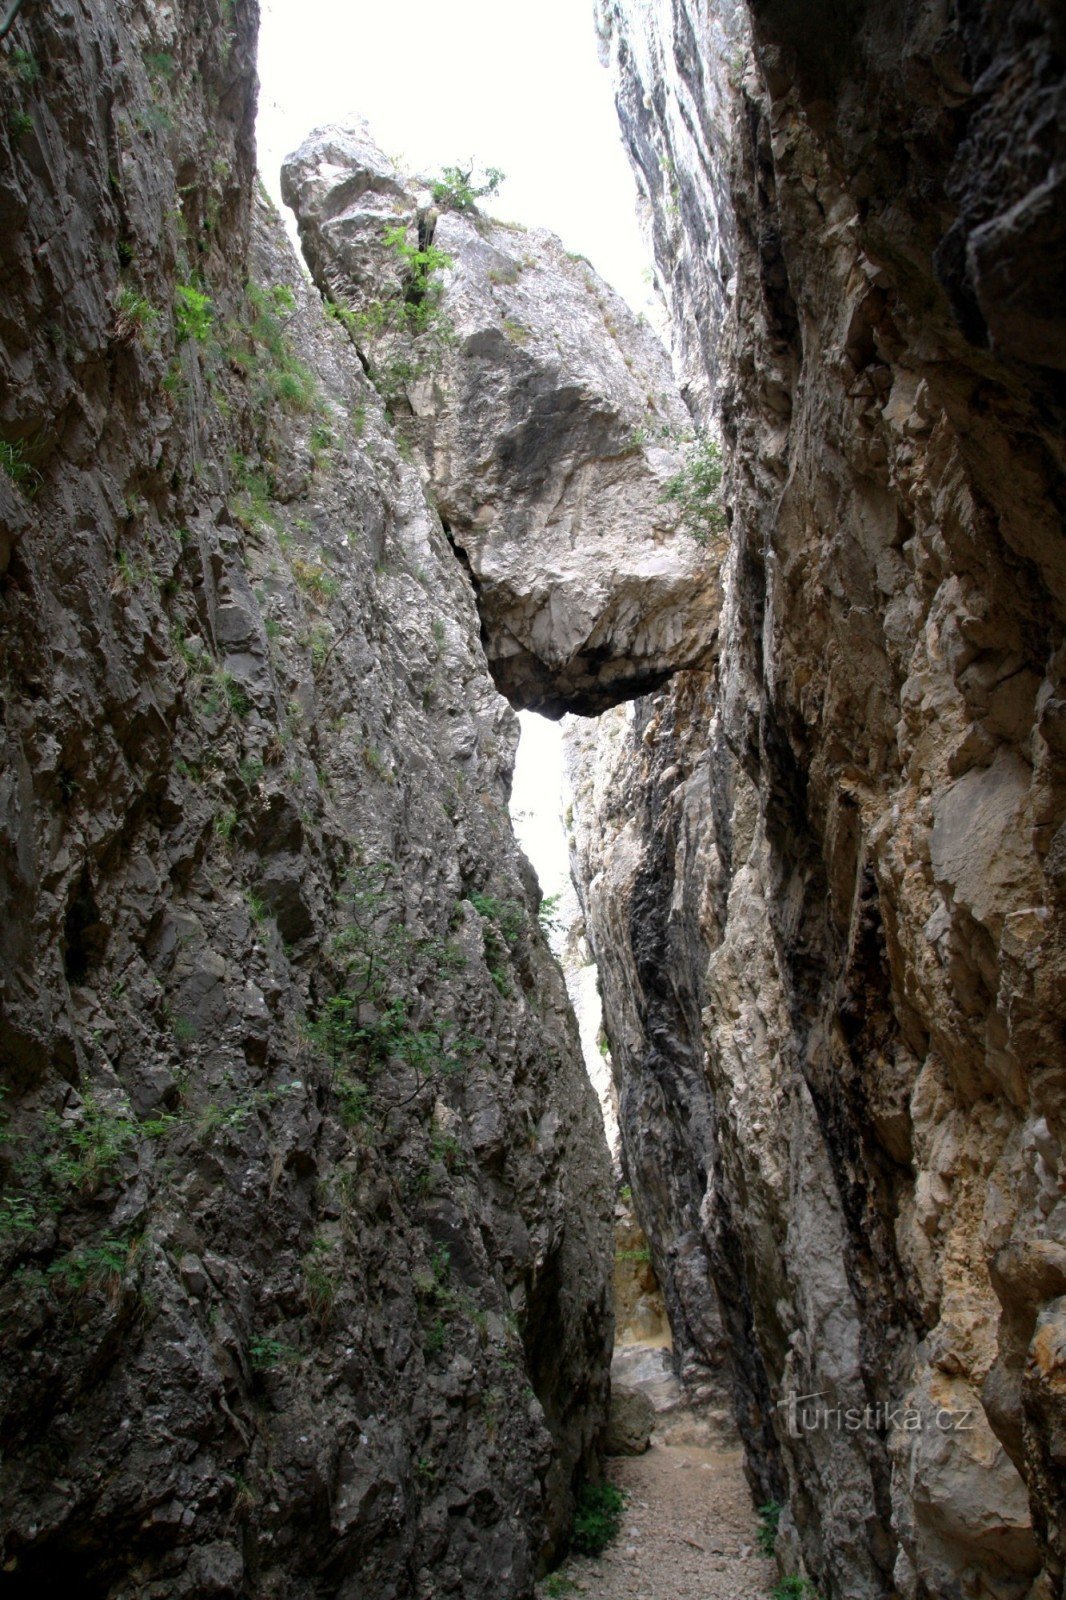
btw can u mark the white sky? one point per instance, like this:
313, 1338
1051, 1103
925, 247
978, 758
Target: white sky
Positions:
512, 86
537, 800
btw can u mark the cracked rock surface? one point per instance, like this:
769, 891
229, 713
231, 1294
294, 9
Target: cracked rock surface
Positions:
547, 422
305, 1234
824, 880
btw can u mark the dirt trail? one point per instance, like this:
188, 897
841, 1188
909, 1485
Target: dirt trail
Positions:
689, 1530
688, 1533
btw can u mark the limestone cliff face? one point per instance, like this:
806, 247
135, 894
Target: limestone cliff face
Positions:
545, 417
825, 879
304, 1214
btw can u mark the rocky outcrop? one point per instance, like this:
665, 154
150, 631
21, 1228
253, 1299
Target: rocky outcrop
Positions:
544, 415
305, 1216
824, 879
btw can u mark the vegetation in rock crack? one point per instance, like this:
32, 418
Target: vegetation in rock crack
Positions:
598, 1517
460, 188
548, 912
506, 914
794, 1588
25, 67
406, 332
15, 462
95, 1264
74, 1159
696, 489
258, 347
766, 1536
268, 1353
135, 316
500, 917
380, 1042
193, 313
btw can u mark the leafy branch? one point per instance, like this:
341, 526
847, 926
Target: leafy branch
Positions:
459, 188
696, 489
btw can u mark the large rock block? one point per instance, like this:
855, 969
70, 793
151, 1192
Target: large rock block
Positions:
548, 425
629, 1424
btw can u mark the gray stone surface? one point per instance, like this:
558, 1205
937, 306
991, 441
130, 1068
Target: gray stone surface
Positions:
281, 1315
824, 881
629, 1422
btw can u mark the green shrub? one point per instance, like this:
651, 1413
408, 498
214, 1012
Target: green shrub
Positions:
282, 299
364, 1028
598, 1517
320, 1285
353, 1100
193, 313
236, 698
294, 387
225, 823
135, 316
794, 1588
696, 490
93, 1146
94, 1266
506, 914
160, 66
769, 1517
460, 188
18, 1214
548, 912
315, 579
406, 332
25, 67
260, 348
267, 1353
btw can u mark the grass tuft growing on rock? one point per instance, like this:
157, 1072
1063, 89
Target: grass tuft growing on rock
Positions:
769, 1517
15, 462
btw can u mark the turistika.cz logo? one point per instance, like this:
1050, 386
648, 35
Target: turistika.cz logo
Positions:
805, 1415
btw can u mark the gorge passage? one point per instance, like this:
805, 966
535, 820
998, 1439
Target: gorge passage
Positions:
305, 1208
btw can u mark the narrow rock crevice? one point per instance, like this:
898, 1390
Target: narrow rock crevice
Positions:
306, 1213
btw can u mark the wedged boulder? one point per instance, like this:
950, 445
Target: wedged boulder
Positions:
548, 425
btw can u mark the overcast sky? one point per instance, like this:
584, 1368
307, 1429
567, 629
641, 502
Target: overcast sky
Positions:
513, 86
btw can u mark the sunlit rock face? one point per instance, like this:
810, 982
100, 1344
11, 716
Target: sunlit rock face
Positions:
825, 881
547, 422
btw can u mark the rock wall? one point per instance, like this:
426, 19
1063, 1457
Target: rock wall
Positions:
305, 1215
824, 879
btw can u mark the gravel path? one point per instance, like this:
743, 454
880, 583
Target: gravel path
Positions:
688, 1532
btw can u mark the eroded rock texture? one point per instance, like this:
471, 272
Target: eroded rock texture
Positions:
304, 1226
825, 880
547, 420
